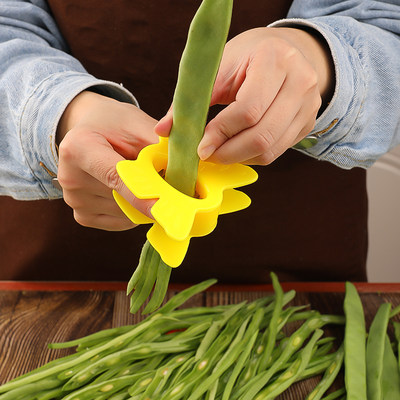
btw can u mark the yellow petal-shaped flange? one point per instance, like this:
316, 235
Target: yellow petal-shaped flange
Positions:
179, 217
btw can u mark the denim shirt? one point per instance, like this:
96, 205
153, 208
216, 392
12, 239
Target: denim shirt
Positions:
38, 78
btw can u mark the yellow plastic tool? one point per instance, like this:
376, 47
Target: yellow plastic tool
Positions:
178, 217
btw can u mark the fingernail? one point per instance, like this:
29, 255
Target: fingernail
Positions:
206, 152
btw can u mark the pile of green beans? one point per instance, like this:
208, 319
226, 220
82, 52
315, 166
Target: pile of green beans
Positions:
247, 351
196, 76
251, 350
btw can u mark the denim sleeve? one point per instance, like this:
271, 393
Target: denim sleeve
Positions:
362, 121
38, 78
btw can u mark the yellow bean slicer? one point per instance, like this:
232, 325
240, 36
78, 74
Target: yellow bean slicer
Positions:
178, 217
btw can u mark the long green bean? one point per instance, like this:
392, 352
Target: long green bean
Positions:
335, 395
272, 330
354, 345
329, 376
191, 101
391, 375
290, 375
375, 351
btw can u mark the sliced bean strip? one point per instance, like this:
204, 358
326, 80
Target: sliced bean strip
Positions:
335, 395
272, 330
329, 376
289, 376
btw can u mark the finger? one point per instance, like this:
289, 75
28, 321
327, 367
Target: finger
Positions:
93, 161
164, 125
300, 127
294, 108
102, 221
262, 140
253, 99
296, 130
92, 204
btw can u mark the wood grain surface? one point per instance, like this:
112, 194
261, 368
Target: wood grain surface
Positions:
30, 319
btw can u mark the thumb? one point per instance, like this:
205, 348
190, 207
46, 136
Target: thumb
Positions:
101, 164
164, 125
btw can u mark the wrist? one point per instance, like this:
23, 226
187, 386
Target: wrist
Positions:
74, 112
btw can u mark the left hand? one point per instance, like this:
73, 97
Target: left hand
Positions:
273, 81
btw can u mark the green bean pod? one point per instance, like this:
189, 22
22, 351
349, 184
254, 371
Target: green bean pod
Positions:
197, 72
354, 345
196, 76
329, 376
375, 352
391, 374
335, 395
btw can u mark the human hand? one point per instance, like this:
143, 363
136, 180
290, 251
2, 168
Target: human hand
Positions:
94, 133
273, 81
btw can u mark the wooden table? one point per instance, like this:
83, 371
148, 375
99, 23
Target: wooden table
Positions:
33, 314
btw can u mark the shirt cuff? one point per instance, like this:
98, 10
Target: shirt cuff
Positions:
40, 118
341, 114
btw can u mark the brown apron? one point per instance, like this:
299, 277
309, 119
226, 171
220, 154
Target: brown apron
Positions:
308, 219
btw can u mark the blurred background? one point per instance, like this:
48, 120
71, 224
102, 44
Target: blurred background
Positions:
383, 182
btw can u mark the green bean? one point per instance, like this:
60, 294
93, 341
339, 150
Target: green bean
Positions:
163, 374
395, 311
93, 339
212, 393
317, 367
295, 341
107, 387
323, 349
238, 367
335, 395
255, 360
160, 288
117, 396
214, 330
144, 259
41, 369
28, 389
139, 351
252, 366
375, 351
197, 72
396, 326
236, 348
191, 101
289, 376
185, 295
287, 298
391, 375
50, 394
354, 345
145, 284
329, 376
226, 360
74, 361
113, 372
210, 357
273, 325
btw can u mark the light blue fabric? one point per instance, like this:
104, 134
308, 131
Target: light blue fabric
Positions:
364, 38
38, 79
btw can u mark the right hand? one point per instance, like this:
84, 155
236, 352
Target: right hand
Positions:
94, 133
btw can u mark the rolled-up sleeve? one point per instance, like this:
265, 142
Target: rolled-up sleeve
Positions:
38, 79
362, 120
